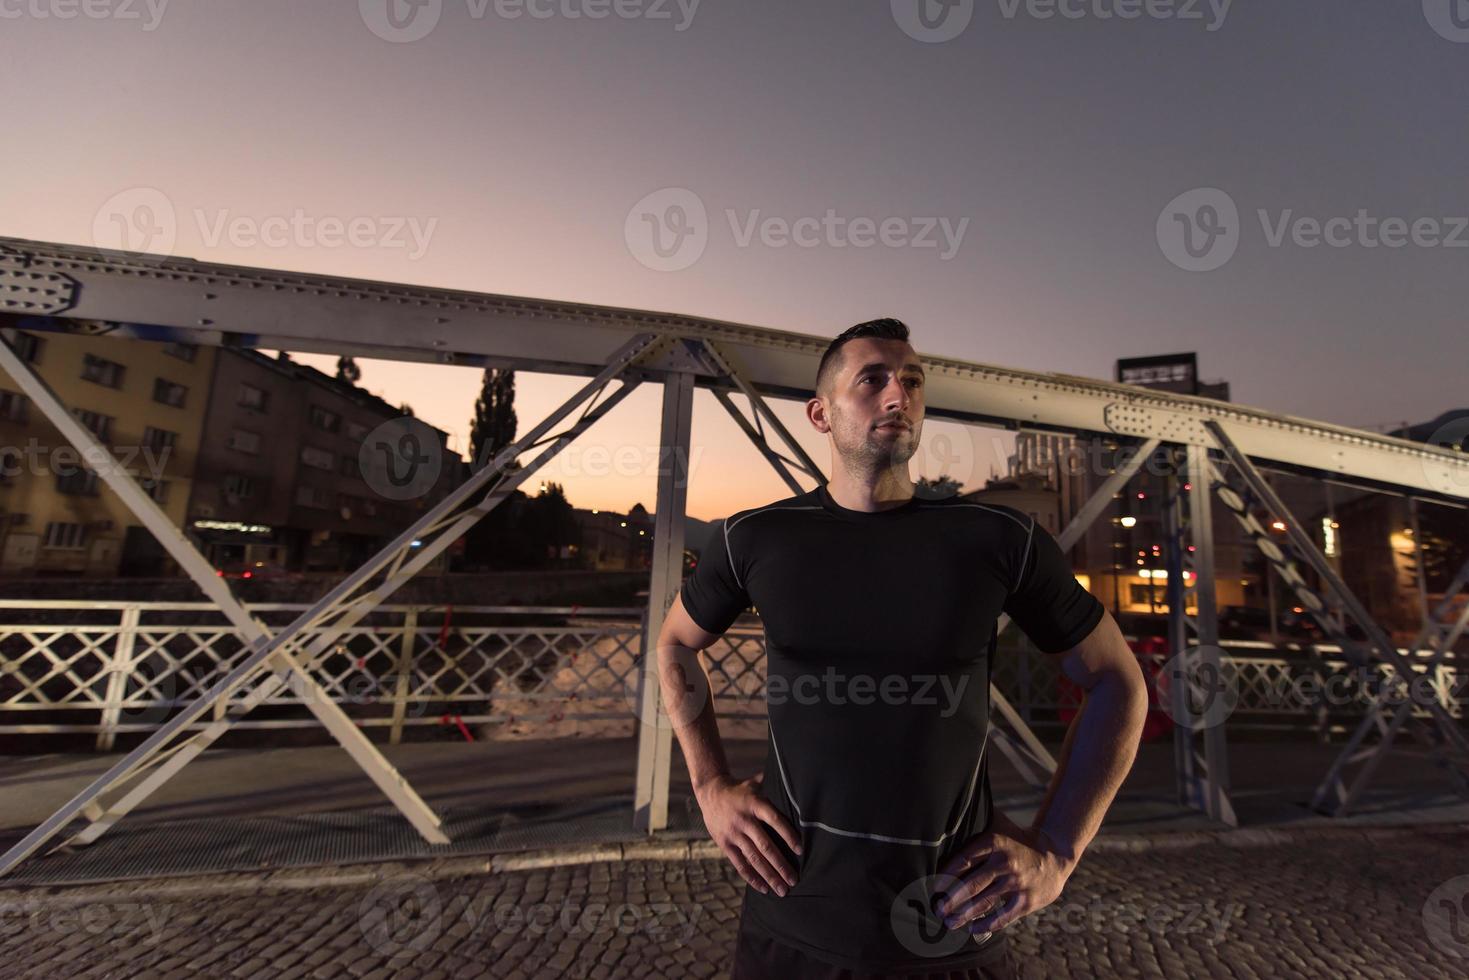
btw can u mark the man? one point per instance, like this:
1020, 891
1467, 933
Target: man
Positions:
870, 842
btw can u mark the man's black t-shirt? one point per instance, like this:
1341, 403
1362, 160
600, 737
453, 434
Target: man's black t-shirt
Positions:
879, 629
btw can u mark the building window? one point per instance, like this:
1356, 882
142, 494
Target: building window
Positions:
94, 422
169, 392
159, 440
184, 352
28, 346
9, 466
356, 431
325, 420
12, 406
78, 482
72, 537
252, 397
102, 371
311, 497
157, 489
245, 442
319, 458
238, 486
1140, 595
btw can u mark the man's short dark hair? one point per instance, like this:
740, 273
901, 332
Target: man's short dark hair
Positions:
885, 328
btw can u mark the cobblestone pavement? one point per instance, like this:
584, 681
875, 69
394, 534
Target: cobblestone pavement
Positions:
1338, 903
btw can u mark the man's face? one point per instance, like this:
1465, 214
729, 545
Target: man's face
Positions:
874, 410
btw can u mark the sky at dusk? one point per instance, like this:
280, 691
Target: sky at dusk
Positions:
1056, 190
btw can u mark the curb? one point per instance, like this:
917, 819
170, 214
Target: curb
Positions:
436, 869
298, 879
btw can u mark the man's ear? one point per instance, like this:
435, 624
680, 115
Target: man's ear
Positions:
816, 415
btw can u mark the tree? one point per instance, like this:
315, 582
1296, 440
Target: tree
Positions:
552, 523
499, 540
939, 487
494, 423
348, 371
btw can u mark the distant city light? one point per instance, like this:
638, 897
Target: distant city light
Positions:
233, 526
1128, 521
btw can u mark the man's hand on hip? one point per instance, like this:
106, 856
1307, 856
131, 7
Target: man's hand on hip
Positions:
1005, 873
737, 817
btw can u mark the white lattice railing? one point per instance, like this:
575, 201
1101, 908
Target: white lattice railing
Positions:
105, 668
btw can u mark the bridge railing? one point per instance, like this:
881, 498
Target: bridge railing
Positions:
107, 668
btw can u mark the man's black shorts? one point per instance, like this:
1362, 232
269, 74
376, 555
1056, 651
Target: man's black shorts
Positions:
758, 957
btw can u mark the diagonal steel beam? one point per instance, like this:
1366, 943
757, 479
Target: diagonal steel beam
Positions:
726, 363
1452, 752
1024, 738
189, 559
328, 637
1304, 546
267, 652
1441, 639
778, 462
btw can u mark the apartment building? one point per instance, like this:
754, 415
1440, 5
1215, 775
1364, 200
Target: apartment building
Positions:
145, 402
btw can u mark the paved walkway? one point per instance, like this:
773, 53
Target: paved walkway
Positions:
1161, 892
1340, 903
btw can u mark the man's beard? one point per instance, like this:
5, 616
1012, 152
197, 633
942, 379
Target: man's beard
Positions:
874, 451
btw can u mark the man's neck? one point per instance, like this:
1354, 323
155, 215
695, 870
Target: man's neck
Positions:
881, 491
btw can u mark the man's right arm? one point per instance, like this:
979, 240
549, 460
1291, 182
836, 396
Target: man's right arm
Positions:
734, 811
685, 688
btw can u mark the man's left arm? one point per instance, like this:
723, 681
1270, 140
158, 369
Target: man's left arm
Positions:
1026, 868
